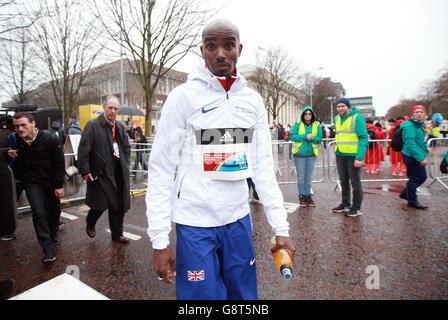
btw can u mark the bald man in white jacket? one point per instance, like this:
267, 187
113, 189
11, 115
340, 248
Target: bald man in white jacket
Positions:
212, 135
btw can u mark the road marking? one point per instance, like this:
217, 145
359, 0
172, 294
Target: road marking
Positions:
83, 207
128, 235
290, 207
68, 216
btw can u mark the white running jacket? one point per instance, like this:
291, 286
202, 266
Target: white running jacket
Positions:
208, 142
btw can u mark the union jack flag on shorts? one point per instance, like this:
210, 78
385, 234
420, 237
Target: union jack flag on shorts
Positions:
196, 275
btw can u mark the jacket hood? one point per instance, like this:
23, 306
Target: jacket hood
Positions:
353, 111
417, 123
303, 113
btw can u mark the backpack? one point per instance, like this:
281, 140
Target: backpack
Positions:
281, 133
444, 166
397, 139
286, 137
372, 136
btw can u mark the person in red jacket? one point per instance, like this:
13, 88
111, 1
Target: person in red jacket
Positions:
380, 134
374, 153
395, 156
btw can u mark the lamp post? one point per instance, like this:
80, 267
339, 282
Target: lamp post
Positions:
331, 108
311, 89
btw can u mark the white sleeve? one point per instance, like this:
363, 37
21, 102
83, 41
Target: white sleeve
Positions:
164, 158
263, 175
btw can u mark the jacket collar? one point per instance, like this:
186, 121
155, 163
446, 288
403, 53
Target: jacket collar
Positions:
236, 81
103, 121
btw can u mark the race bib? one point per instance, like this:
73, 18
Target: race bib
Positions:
224, 153
116, 150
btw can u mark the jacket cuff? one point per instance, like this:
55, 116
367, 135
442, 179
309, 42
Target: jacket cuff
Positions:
59, 184
281, 232
160, 244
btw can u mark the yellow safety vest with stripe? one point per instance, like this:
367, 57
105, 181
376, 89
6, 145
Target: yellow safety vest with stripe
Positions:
296, 145
346, 137
435, 132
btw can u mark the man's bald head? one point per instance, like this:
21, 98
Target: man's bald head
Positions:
218, 26
221, 47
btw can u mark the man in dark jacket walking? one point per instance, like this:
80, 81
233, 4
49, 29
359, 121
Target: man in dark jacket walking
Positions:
42, 173
103, 160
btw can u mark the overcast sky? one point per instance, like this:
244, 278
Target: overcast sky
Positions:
382, 48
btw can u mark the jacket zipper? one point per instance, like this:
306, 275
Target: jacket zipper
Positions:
227, 90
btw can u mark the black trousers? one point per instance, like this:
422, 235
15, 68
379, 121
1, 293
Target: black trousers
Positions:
139, 159
46, 212
116, 217
348, 174
417, 176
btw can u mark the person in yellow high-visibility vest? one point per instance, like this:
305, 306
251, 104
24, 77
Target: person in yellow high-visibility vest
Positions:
433, 131
306, 136
351, 145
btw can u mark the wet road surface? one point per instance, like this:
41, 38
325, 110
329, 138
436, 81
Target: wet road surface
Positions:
406, 250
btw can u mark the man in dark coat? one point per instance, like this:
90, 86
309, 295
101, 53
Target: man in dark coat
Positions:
103, 161
42, 173
57, 131
8, 218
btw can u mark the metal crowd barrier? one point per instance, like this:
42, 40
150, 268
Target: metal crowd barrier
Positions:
377, 155
284, 165
325, 166
392, 159
75, 188
439, 146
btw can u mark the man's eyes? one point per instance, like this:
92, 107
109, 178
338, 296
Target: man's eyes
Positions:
228, 46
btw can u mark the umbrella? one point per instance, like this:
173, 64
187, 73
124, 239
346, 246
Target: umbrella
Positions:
130, 111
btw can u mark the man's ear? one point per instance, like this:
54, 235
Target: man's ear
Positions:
240, 49
202, 51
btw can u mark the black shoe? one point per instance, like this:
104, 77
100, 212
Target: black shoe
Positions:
353, 213
49, 256
121, 239
302, 200
341, 208
90, 231
8, 237
309, 200
418, 206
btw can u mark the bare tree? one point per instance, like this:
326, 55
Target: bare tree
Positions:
68, 43
323, 91
154, 38
402, 108
277, 79
14, 15
18, 66
433, 95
